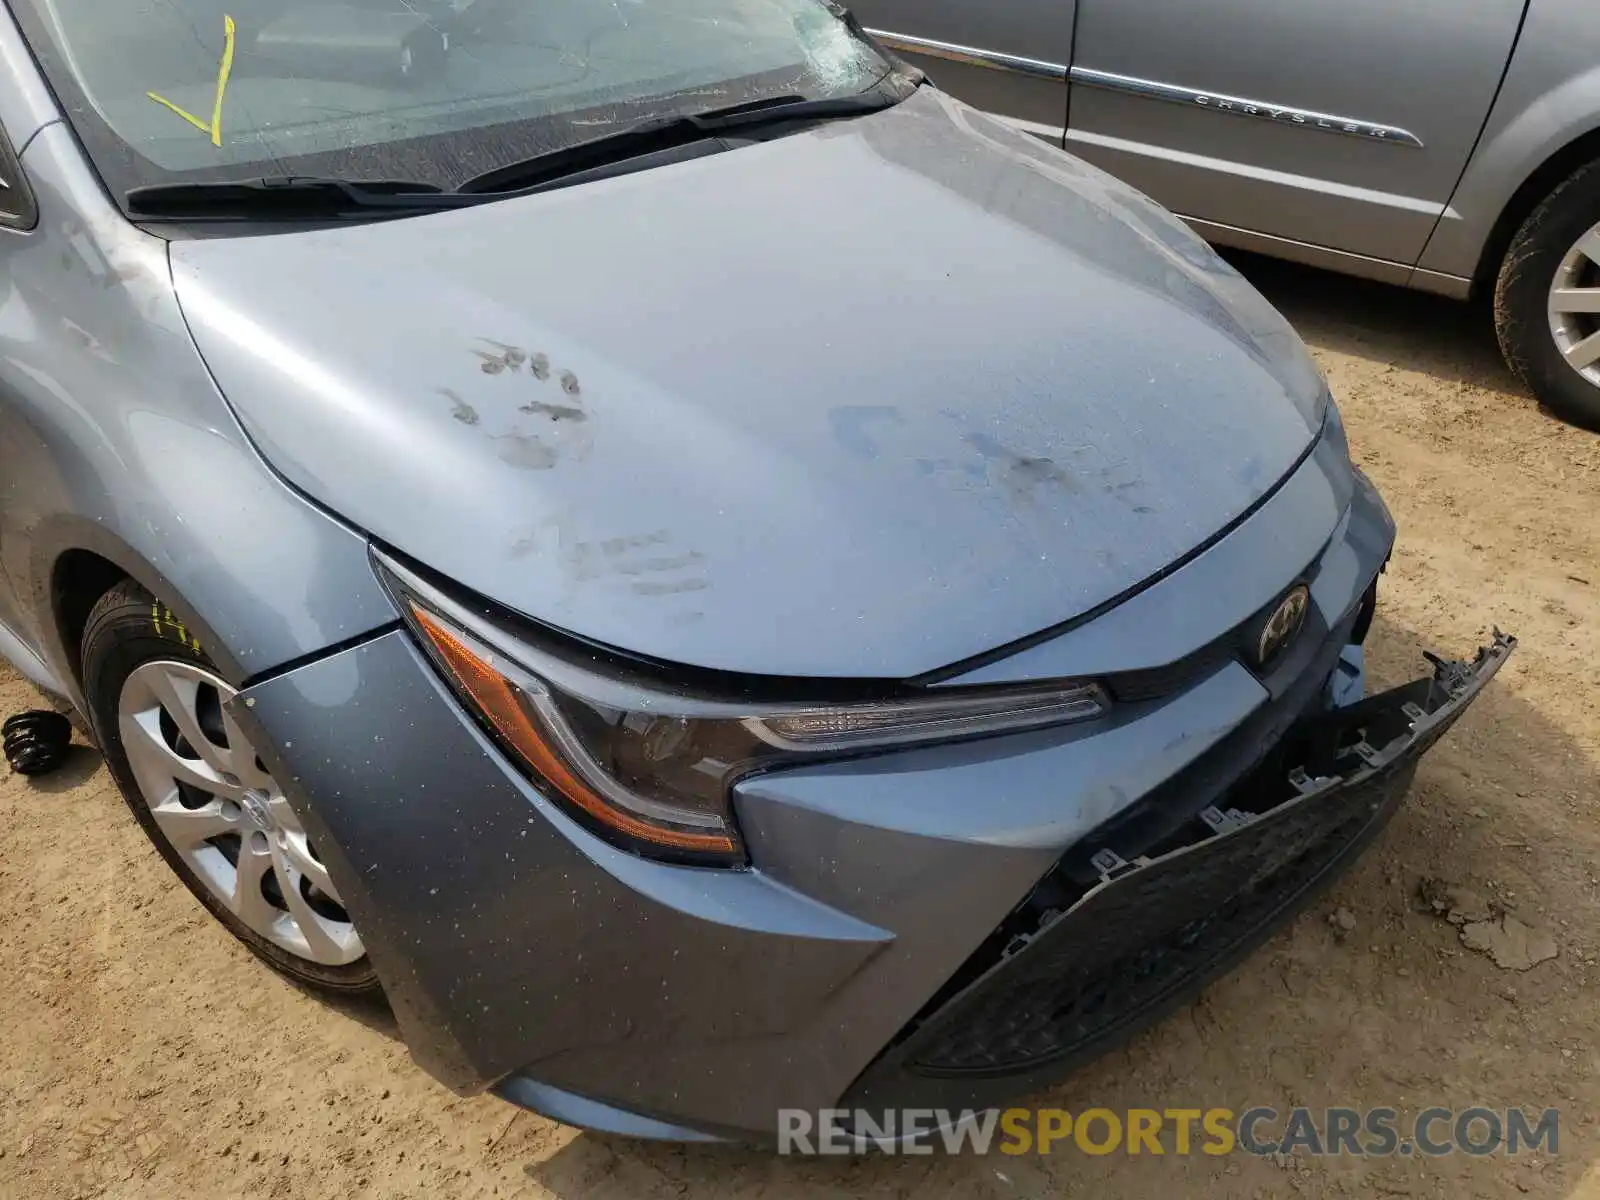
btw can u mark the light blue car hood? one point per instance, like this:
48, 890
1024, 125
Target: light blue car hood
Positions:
860, 402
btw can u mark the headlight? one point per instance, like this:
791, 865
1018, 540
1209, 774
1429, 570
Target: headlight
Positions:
649, 765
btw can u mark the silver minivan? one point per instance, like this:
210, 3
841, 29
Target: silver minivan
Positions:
1447, 145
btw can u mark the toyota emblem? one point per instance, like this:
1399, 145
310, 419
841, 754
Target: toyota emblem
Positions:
1281, 627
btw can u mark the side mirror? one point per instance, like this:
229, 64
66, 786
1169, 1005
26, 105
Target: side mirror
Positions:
18, 209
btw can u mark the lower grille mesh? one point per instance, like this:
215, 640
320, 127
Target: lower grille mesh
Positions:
1130, 943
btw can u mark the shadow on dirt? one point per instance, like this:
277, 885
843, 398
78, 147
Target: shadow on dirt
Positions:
75, 770
1393, 1011
372, 1012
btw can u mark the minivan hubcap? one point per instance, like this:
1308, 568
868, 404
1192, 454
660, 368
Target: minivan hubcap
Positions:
1574, 307
219, 809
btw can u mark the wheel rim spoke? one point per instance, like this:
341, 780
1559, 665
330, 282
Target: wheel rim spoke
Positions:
188, 828
180, 698
153, 760
1589, 245
1575, 300
1584, 353
241, 755
323, 945
298, 855
236, 797
248, 902
283, 815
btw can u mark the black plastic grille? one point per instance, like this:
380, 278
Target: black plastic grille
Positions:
1130, 944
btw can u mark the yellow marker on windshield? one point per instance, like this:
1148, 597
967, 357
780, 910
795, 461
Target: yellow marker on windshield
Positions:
214, 126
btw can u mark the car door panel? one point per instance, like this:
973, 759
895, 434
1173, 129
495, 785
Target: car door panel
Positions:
1008, 57
24, 108
1345, 126
1213, 185
1549, 101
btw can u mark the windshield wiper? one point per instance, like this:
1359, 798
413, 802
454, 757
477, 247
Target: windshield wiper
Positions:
290, 197
644, 143
658, 136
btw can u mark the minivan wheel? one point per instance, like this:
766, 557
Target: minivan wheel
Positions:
202, 794
1547, 300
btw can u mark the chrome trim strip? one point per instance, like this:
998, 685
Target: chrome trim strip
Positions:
1302, 118
972, 56
1366, 197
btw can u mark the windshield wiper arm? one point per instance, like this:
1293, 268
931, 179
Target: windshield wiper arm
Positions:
300, 197
657, 135
289, 197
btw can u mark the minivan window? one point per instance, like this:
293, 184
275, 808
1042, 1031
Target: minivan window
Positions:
438, 91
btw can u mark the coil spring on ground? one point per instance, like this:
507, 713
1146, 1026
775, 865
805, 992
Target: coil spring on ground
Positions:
36, 742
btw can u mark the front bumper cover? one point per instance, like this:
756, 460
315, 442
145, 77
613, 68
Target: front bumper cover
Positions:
1155, 928
520, 952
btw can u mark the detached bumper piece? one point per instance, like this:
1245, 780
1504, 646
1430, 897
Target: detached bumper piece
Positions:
1158, 925
36, 742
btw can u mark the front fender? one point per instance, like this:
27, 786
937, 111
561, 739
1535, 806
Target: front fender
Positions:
115, 440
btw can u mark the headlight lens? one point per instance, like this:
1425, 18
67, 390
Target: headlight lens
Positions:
651, 767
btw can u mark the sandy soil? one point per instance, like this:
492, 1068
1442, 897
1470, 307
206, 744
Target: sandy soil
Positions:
144, 1054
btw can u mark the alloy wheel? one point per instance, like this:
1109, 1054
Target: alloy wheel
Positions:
1574, 306
219, 808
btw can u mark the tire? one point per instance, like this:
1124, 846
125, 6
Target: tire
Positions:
1523, 322
129, 631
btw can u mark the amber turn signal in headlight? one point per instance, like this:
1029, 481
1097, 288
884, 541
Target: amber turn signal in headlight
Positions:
514, 715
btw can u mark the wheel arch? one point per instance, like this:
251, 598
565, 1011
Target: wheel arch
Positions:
302, 585
1539, 183
77, 563
1544, 124
77, 581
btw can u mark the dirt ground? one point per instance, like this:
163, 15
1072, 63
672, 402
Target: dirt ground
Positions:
144, 1054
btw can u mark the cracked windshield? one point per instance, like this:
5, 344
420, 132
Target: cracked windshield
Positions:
430, 90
